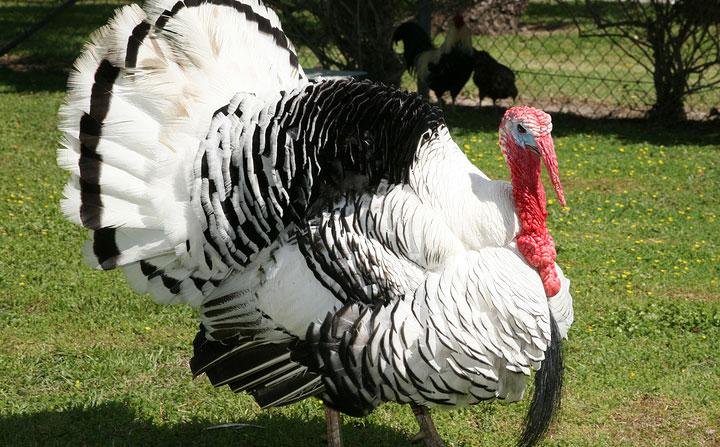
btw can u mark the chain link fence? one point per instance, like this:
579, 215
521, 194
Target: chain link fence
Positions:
556, 68
560, 69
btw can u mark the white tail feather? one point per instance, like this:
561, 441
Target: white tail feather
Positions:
140, 101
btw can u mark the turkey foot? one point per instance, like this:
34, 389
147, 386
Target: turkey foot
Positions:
332, 427
428, 434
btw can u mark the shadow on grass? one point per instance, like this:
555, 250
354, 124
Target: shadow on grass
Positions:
698, 133
15, 79
41, 62
116, 424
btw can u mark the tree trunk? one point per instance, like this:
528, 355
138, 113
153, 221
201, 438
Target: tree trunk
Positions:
424, 15
668, 76
669, 94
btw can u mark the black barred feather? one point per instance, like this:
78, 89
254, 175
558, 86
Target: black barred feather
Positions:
341, 351
294, 389
90, 164
136, 39
105, 247
118, 62
371, 130
264, 25
266, 370
91, 125
345, 389
345, 248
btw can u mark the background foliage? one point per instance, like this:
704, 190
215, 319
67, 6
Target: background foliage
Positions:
677, 42
562, 62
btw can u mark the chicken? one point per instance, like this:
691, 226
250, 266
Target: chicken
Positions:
444, 69
493, 79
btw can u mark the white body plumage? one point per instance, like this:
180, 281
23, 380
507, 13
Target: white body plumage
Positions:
328, 254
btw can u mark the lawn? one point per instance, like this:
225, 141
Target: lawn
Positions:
84, 361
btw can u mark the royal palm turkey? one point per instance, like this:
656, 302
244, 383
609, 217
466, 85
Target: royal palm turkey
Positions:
333, 238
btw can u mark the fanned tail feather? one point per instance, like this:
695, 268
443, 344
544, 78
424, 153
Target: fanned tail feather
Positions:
141, 99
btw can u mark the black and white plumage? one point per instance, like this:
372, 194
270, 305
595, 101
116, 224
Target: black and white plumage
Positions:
334, 239
493, 79
444, 69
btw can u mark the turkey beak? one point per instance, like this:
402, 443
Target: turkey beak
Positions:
547, 152
532, 148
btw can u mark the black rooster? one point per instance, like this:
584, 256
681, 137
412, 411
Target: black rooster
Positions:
493, 79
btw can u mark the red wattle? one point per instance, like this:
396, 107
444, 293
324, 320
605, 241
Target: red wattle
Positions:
550, 280
538, 248
534, 240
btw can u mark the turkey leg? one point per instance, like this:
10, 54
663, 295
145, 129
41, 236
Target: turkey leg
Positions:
428, 434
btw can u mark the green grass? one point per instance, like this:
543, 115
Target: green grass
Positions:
85, 361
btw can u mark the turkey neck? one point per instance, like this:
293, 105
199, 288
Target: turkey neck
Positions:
534, 240
528, 191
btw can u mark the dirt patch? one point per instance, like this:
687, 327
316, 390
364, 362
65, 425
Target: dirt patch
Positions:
20, 64
660, 421
562, 105
692, 295
584, 107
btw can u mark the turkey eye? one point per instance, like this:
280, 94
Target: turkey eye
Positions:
521, 129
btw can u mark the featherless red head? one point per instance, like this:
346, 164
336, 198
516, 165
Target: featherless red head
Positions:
525, 129
535, 120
